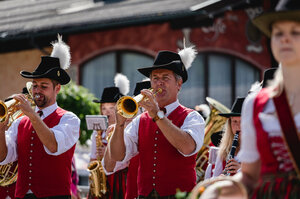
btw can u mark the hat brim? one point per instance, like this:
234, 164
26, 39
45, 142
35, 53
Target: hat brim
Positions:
173, 66
264, 21
57, 74
230, 114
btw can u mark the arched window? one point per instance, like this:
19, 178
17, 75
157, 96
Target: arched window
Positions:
99, 72
219, 76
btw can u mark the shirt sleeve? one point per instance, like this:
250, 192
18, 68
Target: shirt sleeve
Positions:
249, 152
66, 133
119, 166
11, 142
218, 170
93, 146
194, 125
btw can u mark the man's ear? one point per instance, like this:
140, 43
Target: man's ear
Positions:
179, 84
57, 88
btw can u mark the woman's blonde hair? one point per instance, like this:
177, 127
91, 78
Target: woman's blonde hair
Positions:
226, 141
276, 85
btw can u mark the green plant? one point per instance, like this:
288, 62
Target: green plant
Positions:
78, 100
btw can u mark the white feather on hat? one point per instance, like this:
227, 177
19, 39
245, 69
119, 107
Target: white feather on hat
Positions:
187, 55
62, 51
122, 82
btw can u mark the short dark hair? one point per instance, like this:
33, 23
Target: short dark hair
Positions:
54, 82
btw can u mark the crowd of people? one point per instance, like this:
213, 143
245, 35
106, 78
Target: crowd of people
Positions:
153, 153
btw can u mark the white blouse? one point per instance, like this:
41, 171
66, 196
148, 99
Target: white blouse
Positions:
249, 152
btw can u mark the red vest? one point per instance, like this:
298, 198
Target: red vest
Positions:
131, 181
8, 191
45, 175
269, 146
162, 167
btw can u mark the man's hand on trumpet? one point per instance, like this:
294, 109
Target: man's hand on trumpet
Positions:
24, 104
149, 102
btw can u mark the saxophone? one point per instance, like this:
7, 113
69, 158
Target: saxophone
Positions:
98, 186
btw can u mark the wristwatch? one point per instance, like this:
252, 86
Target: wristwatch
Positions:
159, 115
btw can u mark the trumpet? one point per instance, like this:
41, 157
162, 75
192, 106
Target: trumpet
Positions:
9, 172
9, 107
128, 106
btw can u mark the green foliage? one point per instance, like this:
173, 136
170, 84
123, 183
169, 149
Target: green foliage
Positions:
78, 100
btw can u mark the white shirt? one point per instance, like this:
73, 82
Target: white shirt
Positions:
193, 125
66, 134
249, 152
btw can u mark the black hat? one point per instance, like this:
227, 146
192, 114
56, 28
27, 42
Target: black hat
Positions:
53, 66
140, 86
179, 62
268, 75
49, 68
167, 60
285, 10
236, 108
109, 95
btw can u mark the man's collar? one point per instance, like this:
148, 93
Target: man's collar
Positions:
48, 110
171, 107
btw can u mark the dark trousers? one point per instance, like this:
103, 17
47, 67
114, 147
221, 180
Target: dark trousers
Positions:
32, 196
155, 195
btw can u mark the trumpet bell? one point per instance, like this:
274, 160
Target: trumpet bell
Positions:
127, 106
5, 107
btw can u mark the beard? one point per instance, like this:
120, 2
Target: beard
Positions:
41, 101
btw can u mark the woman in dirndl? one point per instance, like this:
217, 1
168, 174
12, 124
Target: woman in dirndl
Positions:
270, 164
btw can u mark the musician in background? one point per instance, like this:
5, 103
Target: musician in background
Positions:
43, 141
167, 136
225, 164
110, 96
117, 181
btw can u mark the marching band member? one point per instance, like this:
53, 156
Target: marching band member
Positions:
44, 139
267, 154
167, 142
270, 118
131, 180
225, 164
107, 102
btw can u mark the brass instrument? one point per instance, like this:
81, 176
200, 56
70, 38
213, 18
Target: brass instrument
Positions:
9, 107
128, 106
219, 187
98, 186
214, 123
9, 172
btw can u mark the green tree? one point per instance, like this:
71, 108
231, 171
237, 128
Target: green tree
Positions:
78, 100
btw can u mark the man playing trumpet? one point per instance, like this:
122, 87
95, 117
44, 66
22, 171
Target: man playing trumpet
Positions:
44, 139
167, 142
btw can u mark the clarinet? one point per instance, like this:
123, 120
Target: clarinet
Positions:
231, 155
